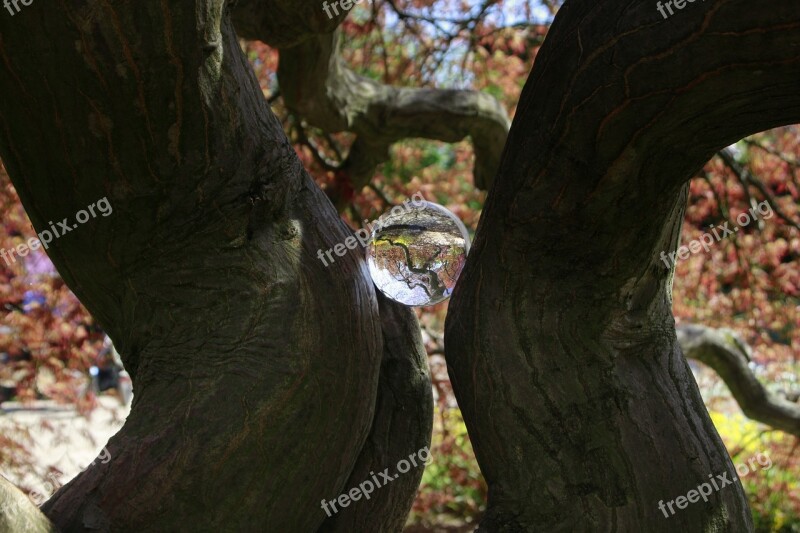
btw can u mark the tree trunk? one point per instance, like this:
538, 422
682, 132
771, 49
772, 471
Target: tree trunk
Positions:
256, 369
560, 339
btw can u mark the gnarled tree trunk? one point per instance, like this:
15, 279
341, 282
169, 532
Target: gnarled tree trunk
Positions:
257, 370
560, 339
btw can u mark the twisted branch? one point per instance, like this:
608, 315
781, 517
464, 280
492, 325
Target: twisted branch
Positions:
725, 352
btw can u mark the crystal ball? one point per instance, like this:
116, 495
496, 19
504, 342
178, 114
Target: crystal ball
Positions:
417, 252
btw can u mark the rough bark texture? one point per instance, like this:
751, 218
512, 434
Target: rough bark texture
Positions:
728, 355
560, 339
284, 23
256, 369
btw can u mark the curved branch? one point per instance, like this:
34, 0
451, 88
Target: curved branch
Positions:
18, 513
401, 427
318, 86
725, 352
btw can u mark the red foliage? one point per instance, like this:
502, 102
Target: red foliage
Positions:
748, 281
48, 340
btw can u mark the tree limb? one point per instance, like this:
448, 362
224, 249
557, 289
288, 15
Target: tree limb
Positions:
725, 352
318, 85
401, 427
18, 513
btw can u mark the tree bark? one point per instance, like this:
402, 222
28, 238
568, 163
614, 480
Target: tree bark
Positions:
560, 340
401, 427
256, 369
285, 23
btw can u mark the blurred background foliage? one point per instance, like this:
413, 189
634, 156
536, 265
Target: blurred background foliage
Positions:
748, 282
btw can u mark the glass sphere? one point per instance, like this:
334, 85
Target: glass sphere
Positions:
417, 252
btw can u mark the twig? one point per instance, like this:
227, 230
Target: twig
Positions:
274, 96
380, 194
747, 178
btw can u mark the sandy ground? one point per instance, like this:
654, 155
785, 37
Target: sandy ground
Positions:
62, 439
68, 442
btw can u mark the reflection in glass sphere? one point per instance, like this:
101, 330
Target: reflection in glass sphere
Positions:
417, 252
